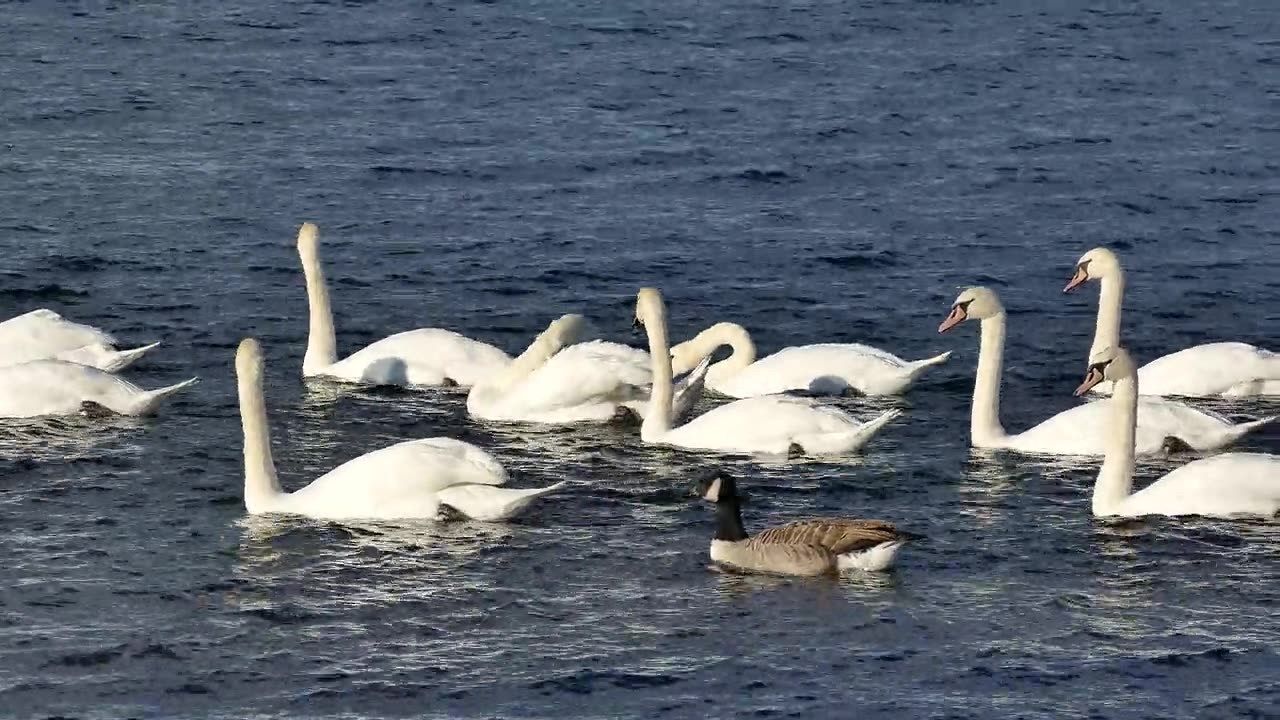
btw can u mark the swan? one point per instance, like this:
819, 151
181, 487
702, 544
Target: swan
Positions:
819, 546
1219, 486
58, 387
558, 380
1078, 431
1220, 368
411, 479
45, 335
825, 368
771, 424
425, 357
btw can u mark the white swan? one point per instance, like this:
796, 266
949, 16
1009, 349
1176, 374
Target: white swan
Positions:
1220, 486
1079, 430
826, 368
58, 387
771, 424
411, 479
1221, 368
558, 380
426, 356
45, 335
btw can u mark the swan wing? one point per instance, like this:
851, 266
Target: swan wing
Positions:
765, 424
1222, 485
582, 382
824, 368
44, 333
426, 356
1210, 369
55, 387
1081, 430
492, 504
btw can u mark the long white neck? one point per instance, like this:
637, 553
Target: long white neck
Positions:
985, 429
657, 421
322, 347
689, 353
1115, 480
261, 487
1110, 299
559, 333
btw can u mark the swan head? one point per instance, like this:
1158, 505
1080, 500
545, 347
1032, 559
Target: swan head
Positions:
649, 306
1093, 265
717, 487
1108, 364
249, 359
566, 329
308, 240
975, 303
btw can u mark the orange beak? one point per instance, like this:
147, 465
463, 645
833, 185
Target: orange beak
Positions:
956, 317
1093, 377
1077, 280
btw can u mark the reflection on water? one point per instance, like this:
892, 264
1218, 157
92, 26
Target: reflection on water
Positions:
66, 438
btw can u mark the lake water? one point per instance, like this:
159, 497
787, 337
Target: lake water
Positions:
817, 171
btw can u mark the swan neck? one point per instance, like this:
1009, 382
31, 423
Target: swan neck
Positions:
322, 345
657, 421
984, 420
1110, 299
690, 352
729, 521
548, 343
261, 486
1115, 480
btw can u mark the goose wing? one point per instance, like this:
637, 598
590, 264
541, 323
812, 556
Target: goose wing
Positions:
835, 534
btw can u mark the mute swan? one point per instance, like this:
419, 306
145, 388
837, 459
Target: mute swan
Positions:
411, 479
58, 387
1221, 368
1218, 486
819, 546
1078, 431
426, 356
772, 424
827, 368
45, 335
585, 382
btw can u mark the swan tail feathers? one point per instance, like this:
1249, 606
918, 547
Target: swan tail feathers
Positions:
920, 366
121, 359
1237, 431
873, 559
487, 503
839, 443
152, 399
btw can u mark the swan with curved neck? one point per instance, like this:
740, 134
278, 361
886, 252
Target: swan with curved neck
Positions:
1224, 485
1221, 368
45, 335
1078, 431
411, 479
825, 368
769, 424
423, 357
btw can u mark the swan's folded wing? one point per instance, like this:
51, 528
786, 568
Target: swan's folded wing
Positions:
584, 374
416, 466
44, 333
433, 352
836, 534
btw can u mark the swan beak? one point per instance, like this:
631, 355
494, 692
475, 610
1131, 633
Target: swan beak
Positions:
957, 316
1093, 377
1077, 280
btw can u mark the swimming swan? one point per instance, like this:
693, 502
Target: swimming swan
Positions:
45, 335
819, 546
1221, 368
771, 424
1162, 424
558, 380
826, 368
425, 357
1219, 486
411, 479
58, 387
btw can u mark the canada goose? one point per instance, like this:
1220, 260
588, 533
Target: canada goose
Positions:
817, 546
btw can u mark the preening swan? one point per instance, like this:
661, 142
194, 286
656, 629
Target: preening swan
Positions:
1220, 486
411, 479
808, 547
1079, 430
827, 368
556, 381
1221, 368
57, 387
771, 424
45, 335
426, 356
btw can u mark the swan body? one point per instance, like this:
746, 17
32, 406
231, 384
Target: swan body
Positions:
1079, 430
1230, 369
57, 387
422, 357
820, 546
825, 369
45, 335
771, 424
400, 481
1224, 485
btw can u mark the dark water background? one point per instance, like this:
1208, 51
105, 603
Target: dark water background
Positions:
819, 171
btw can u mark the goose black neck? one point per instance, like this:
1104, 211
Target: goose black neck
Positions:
729, 521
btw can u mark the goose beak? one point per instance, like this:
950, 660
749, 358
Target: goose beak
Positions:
1093, 377
956, 317
1077, 280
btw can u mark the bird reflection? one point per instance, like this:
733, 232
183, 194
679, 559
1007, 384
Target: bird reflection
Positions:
63, 438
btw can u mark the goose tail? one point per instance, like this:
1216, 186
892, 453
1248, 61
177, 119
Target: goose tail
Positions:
873, 559
153, 398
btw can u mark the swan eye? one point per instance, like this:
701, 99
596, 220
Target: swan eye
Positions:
964, 306
1083, 268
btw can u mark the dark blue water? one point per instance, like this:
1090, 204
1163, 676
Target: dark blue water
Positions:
818, 171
